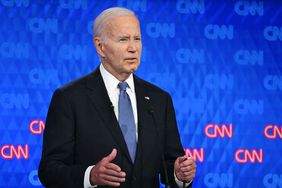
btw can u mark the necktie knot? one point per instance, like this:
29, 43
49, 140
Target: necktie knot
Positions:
122, 86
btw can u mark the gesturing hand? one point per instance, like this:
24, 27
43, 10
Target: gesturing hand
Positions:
107, 173
185, 168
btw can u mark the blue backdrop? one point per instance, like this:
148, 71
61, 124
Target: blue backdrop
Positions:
220, 60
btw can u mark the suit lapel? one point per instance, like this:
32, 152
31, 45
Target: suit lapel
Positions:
144, 119
143, 104
99, 97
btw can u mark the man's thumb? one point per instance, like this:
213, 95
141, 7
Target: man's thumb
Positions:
112, 155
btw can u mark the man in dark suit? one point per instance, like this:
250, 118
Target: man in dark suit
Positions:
111, 128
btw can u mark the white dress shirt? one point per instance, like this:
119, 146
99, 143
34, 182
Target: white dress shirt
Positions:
111, 84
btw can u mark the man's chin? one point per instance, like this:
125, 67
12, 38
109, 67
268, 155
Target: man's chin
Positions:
133, 70
133, 66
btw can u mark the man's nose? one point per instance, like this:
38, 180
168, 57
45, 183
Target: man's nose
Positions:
132, 46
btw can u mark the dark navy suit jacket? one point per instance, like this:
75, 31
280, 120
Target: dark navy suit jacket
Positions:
81, 129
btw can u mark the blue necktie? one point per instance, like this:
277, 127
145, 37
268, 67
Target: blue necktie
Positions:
126, 120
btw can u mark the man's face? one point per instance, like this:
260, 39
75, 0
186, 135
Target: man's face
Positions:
122, 46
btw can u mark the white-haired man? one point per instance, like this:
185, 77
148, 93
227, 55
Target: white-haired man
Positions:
111, 128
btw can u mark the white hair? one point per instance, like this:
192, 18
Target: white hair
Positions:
102, 19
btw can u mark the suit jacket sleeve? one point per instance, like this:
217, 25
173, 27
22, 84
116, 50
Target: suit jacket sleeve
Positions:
56, 166
173, 147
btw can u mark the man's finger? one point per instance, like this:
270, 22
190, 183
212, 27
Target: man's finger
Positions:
114, 173
189, 161
186, 168
182, 158
111, 156
190, 173
191, 158
112, 178
113, 166
112, 184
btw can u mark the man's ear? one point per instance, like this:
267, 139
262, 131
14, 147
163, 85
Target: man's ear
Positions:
99, 46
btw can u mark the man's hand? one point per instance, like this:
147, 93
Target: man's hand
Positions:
185, 168
107, 173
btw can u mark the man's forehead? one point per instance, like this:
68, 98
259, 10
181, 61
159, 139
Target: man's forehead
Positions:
116, 21
118, 26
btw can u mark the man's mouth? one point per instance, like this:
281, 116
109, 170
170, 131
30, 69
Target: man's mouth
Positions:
131, 58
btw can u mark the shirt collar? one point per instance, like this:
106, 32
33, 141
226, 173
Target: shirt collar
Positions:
111, 82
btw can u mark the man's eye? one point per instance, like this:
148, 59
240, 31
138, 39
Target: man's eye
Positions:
138, 38
123, 39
